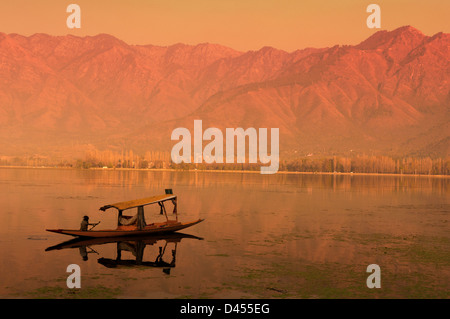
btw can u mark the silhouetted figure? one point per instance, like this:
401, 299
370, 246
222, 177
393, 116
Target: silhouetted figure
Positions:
85, 223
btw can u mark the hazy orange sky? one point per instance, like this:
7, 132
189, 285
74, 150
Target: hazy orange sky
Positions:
240, 24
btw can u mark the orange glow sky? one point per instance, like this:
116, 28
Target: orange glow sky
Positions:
239, 24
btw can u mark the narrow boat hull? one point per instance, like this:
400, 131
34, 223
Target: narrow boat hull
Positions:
148, 230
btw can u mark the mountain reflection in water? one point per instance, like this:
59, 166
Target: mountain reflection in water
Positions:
267, 236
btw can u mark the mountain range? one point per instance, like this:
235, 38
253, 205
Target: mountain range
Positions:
387, 95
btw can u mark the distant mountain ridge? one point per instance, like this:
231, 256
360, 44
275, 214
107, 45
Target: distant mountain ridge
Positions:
387, 95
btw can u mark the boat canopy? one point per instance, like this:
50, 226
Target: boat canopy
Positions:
139, 202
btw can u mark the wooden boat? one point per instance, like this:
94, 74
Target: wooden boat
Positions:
139, 227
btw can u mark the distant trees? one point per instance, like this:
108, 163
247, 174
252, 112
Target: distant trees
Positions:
124, 159
370, 164
159, 159
32, 161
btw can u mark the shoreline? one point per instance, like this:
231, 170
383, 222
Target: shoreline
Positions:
226, 171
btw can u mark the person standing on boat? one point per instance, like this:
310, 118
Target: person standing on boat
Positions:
85, 223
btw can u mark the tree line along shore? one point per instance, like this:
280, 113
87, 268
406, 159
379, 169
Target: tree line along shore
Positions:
360, 164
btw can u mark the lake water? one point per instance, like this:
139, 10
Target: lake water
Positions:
264, 236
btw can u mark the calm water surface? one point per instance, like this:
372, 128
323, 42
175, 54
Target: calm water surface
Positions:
277, 236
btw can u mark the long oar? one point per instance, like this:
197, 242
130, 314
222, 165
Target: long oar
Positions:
94, 226
93, 250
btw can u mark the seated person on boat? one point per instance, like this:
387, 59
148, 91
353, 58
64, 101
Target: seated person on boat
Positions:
128, 220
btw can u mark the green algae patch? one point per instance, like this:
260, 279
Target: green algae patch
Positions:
95, 292
335, 281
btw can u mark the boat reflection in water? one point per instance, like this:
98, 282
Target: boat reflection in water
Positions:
134, 244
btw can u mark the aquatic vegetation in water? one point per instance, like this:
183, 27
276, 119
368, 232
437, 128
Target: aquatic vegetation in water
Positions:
52, 292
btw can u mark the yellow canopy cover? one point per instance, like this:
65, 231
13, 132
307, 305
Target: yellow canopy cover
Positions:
139, 202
